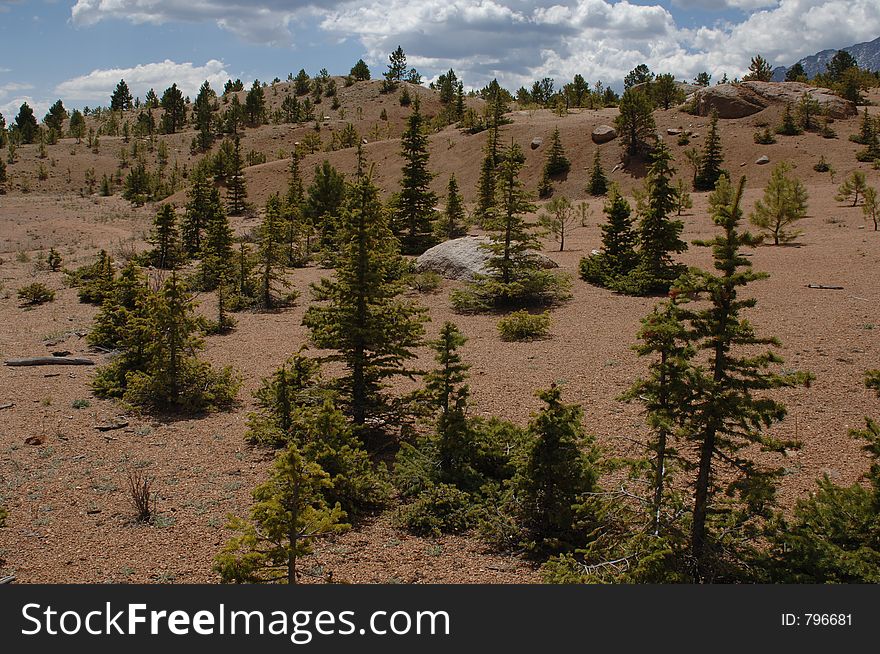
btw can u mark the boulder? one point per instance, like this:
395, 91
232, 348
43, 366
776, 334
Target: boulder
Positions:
536, 142
748, 98
463, 259
764, 159
603, 134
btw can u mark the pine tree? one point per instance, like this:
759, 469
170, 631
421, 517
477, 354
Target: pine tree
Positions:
174, 106
659, 236
324, 199
853, 186
198, 207
712, 159
665, 396
789, 126
489, 168
635, 124
556, 470
255, 104
216, 251
77, 125
783, 204
510, 239
727, 419
288, 515
360, 71
53, 259
26, 124
759, 70
682, 197
598, 181
452, 223
121, 99
619, 240
560, 218
55, 117
236, 189
165, 239
414, 205
203, 114
362, 316
396, 70
127, 296
808, 108
269, 253
557, 163
158, 367
871, 208
3, 177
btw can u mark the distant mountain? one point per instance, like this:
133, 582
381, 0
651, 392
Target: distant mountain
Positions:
866, 54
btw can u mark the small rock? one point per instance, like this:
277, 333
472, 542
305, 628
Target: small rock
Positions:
673, 131
537, 142
603, 134
61, 353
33, 440
764, 159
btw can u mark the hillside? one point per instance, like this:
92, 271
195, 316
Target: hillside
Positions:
66, 488
866, 54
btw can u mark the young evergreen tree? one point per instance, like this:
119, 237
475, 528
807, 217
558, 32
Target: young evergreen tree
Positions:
55, 117
682, 197
77, 125
514, 276
203, 114
659, 235
123, 302
452, 223
853, 187
324, 199
198, 207
255, 104
236, 189
784, 203
360, 71
871, 208
759, 70
712, 159
729, 410
270, 266
288, 515
619, 240
216, 251
414, 205
789, 126
598, 181
165, 239
557, 164
121, 99
556, 470
361, 315
26, 124
174, 106
396, 70
158, 367
808, 108
560, 218
489, 167
635, 124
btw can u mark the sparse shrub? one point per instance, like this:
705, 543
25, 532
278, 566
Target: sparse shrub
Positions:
789, 126
35, 294
81, 404
426, 282
53, 260
765, 138
822, 166
524, 326
140, 492
439, 509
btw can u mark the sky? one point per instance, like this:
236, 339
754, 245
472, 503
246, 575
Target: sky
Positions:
78, 50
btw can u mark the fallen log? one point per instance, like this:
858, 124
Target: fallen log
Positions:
7, 580
825, 287
7, 405
118, 424
49, 361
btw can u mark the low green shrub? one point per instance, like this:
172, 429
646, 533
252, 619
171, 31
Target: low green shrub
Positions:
524, 326
35, 294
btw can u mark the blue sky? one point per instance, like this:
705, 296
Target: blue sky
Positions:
77, 50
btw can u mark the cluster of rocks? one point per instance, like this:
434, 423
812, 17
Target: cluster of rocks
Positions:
748, 98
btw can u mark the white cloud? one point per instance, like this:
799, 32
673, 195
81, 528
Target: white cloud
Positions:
99, 84
262, 21
521, 40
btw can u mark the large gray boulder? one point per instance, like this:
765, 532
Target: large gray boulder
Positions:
748, 98
603, 134
463, 259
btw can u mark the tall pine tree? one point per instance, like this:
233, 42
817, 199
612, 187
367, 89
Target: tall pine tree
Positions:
414, 205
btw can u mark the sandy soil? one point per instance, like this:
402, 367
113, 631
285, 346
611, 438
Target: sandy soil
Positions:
69, 518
